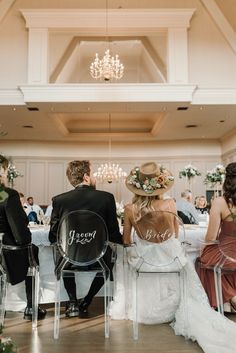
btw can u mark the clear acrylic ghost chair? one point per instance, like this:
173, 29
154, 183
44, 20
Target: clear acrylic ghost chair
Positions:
82, 241
155, 228
32, 271
3, 284
226, 263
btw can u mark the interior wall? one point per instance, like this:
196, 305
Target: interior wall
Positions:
43, 165
206, 43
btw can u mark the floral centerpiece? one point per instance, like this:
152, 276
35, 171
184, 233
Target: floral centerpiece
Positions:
189, 171
215, 176
12, 173
120, 212
120, 209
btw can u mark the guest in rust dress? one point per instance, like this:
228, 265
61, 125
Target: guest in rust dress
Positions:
221, 228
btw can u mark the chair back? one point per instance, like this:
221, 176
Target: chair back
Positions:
158, 231
227, 239
82, 237
184, 217
158, 226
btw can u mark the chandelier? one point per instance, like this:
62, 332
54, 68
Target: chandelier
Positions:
110, 172
108, 67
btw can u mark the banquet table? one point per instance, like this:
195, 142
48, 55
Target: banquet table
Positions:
16, 300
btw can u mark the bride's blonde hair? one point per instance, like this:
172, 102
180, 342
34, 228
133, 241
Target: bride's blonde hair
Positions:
143, 205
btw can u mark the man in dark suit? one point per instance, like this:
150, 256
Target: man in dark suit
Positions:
14, 227
84, 196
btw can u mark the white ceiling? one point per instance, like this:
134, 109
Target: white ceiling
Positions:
129, 121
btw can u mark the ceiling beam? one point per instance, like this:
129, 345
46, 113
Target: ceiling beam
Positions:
158, 124
64, 59
5, 6
221, 21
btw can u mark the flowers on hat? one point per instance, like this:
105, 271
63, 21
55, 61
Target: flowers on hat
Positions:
149, 185
189, 171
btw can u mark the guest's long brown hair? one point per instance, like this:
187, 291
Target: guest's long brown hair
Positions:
229, 186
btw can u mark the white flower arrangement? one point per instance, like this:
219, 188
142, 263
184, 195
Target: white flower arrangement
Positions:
120, 209
216, 175
189, 171
12, 173
6, 344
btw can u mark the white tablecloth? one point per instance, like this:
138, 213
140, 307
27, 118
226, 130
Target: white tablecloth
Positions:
194, 235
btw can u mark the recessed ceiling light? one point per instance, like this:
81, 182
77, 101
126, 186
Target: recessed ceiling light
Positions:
182, 108
33, 109
191, 126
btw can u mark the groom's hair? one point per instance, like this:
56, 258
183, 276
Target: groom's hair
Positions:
76, 170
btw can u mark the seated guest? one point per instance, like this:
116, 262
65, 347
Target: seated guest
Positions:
201, 205
14, 226
186, 209
222, 218
158, 299
33, 211
84, 196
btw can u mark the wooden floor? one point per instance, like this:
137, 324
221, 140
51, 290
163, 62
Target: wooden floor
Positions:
86, 335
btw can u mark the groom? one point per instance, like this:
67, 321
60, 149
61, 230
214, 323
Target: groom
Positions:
84, 196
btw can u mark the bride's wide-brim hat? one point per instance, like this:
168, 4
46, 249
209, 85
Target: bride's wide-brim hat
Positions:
150, 179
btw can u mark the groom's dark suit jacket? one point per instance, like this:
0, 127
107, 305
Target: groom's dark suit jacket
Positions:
86, 198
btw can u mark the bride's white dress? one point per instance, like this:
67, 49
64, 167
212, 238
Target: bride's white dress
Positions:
159, 300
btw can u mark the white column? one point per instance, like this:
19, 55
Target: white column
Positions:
38, 56
177, 55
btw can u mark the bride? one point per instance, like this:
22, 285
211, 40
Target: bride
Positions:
158, 299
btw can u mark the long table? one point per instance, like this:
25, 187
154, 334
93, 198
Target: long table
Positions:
16, 300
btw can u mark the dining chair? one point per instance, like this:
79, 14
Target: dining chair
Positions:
82, 240
32, 271
184, 217
3, 284
156, 228
226, 263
